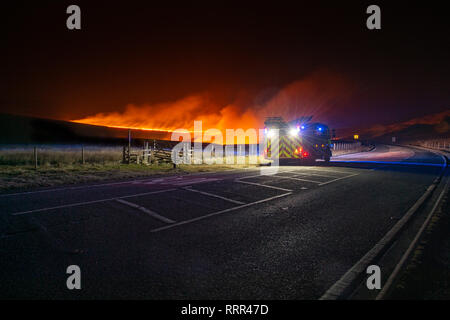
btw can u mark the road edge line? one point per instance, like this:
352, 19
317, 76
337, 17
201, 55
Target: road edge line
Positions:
340, 289
412, 245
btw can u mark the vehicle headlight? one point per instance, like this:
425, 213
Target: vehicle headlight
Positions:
293, 132
270, 133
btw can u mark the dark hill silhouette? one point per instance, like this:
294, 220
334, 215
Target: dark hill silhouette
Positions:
29, 130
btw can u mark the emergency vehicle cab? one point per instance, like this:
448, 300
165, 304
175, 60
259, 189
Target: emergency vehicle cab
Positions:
297, 141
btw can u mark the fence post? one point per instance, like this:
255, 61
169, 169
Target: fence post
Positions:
129, 146
35, 159
82, 154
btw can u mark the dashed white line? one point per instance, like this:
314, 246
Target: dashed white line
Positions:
298, 179
147, 211
194, 181
213, 195
349, 176
218, 213
63, 189
262, 185
315, 174
90, 202
280, 177
117, 183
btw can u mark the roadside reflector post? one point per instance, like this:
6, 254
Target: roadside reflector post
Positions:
35, 158
82, 154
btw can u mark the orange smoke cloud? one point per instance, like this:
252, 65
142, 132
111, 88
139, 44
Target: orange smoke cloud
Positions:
179, 114
315, 95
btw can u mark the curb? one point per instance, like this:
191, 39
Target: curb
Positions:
347, 283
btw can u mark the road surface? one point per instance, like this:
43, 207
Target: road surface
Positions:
245, 234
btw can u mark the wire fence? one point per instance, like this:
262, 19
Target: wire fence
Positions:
55, 155
437, 144
339, 146
344, 147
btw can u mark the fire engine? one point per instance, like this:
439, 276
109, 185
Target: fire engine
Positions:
300, 140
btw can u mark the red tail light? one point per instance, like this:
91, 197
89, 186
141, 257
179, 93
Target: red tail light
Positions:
305, 154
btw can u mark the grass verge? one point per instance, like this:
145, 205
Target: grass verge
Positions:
25, 177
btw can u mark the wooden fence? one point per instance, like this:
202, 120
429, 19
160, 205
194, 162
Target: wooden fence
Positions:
150, 153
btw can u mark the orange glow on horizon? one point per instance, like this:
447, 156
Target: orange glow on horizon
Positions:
133, 128
180, 116
315, 95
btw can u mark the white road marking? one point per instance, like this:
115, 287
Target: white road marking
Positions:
349, 176
338, 289
62, 189
90, 202
263, 185
118, 183
412, 245
195, 181
325, 170
280, 177
219, 212
298, 179
214, 195
147, 211
318, 175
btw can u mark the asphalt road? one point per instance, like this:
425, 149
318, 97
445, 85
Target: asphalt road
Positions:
248, 234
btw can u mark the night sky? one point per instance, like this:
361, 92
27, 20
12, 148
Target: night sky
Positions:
261, 58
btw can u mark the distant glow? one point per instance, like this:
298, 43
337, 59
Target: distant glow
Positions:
302, 127
356, 136
320, 128
135, 128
